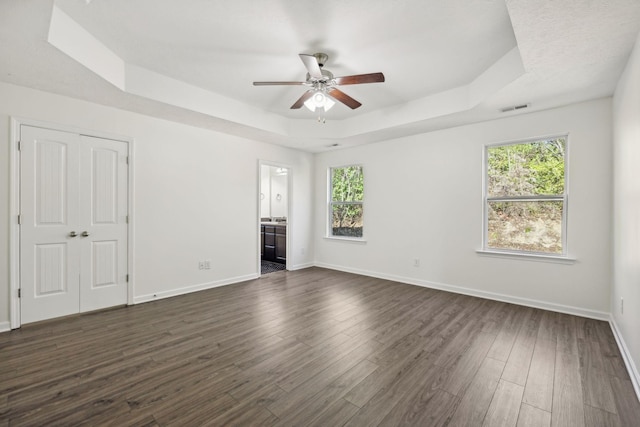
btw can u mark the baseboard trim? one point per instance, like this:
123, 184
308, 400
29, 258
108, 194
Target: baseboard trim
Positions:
193, 288
577, 311
5, 326
302, 266
626, 356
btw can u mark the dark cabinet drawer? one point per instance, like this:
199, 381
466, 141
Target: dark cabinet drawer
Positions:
269, 239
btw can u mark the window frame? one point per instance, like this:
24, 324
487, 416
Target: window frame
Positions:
564, 198
330, 203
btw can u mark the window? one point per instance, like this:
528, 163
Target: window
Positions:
526, 197
345, 201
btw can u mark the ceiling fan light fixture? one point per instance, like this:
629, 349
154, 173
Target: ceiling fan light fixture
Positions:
321, 83
319, 100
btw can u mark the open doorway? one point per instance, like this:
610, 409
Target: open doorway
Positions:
273, 217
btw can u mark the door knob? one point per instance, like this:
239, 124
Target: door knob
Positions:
85, 234
73, 234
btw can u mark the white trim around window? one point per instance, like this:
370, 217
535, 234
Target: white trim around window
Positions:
345, 201
563, 198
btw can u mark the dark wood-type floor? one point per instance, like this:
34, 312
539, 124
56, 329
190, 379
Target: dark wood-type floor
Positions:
316, 347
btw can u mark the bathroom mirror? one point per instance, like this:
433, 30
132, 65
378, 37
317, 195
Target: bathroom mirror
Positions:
273, 192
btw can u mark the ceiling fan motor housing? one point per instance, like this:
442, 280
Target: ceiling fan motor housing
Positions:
326, 76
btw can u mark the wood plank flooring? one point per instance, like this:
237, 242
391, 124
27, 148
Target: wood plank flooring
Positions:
316, 348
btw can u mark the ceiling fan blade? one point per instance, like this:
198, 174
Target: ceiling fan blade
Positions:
360, 78
300, 102
344, 98
311, 63
277, 83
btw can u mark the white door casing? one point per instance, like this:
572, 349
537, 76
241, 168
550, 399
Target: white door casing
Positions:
73, 236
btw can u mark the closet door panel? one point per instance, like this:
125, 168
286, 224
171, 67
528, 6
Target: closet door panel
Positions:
49, 273
103, 216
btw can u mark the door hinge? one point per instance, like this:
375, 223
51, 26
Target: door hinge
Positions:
127, 159
19, 219
127, 278
127, 219
19, 292
19, 145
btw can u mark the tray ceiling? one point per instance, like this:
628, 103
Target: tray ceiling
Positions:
194, 61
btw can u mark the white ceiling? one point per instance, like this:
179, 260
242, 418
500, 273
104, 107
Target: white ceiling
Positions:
194, 61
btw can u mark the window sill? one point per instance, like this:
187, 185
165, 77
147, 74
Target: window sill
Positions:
346, 239
527, 257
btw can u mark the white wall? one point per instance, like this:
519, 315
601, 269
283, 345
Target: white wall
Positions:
626, 218
423, 199
196, 194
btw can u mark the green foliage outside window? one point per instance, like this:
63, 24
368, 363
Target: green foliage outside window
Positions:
533, 168
525, 196
347, 192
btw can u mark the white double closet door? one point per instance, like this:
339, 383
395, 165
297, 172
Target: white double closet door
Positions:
73, 232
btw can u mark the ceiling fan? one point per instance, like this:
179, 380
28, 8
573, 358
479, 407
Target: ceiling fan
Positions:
322, 84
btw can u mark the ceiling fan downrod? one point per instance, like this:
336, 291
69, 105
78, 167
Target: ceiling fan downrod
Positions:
321, 58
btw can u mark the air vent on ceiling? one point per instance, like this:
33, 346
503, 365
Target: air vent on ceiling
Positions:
515, 108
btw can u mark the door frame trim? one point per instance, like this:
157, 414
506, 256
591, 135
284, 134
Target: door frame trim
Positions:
290, 220
14, 205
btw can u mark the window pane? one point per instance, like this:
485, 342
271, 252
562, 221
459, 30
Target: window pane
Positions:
346, 220
526, 226
529, 169
347, 184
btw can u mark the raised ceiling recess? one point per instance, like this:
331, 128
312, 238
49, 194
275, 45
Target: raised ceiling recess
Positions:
445, 63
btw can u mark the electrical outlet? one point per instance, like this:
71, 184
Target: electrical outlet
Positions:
207, 264
416, 262
200, 265
621, 305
